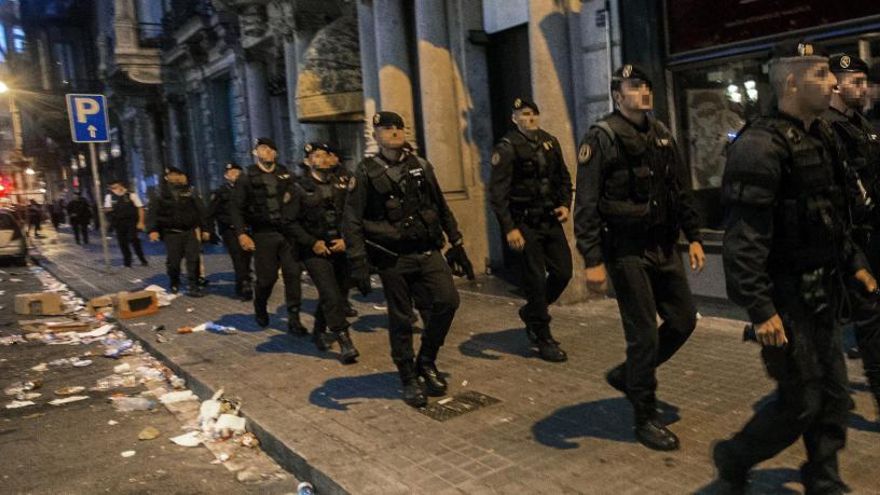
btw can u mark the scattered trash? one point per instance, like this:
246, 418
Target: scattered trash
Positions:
129, 404
136, 281
128, 453
19, 387
16, 404
223, 457
464, 383
67, 400
161, 338
59, 362
183, 330
249, 440
172, 397
190, 439
221, 329
28, 396
177, 382
112, 422
305, 488
82, 363
69, 390
116, 348
230, 422
190, 310
40, 367
162, 295
12, 339
122, 368
115, 381
148, 433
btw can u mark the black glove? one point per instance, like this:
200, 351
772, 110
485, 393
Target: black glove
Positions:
360, 273
459, 262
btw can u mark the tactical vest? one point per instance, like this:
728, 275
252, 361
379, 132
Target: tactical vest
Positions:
324, 202
862, 145
639, 187
536, 181
220, 206
264, 209
124, 211
809, 223
177, 208
408, 203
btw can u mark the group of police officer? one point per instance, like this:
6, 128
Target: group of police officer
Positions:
800, 189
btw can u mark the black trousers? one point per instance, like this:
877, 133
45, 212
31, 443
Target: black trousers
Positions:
81, 232
272, 252
649, 284
180, 245
812, 395
866, 320
330, 275
127, 237
428, 274
545, 270
241, 259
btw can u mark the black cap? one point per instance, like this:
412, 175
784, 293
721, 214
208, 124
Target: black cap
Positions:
844, 62
310, 148
232, 166
520, 103
117, 181
629, 72
174, 170
388, 119
798, 49
267, 141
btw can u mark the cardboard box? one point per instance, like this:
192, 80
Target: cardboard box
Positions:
136, 304
101, 304
39, 304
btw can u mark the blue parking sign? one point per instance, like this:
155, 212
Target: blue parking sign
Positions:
88, 118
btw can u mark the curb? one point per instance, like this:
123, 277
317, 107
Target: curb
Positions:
285, 456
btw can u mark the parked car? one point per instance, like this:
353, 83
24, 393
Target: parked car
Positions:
13, 245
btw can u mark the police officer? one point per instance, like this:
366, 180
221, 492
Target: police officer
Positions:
861, 146
530, 193
178, 216
786, 246
396, 216
256, 213
317, 230
219, 214
633, 198
126, 212
80, 213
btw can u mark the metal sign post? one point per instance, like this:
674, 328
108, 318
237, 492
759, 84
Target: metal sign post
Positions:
88, 124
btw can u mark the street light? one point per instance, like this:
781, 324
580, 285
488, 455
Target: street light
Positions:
30, 171
3, 87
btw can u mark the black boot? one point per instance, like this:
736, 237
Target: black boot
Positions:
322, 339
350, 312
347, 352
261, 315
434, 382
549, 350
616, 377
294, 326
413, 390
194, 289
174, 286
203, 282
246, 291
650, 432
732, 479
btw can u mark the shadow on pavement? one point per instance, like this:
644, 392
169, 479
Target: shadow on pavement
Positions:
861, 423
370, 323
512, 341
340, 393
284, 343
762, 481
607, 419
244, 322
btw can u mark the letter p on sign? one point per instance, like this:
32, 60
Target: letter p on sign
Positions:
84, 108
88, 118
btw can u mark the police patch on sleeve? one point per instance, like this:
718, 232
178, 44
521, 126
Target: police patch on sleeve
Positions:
496, 158
585, 153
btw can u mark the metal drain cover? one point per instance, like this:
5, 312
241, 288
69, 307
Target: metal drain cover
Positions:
453, 407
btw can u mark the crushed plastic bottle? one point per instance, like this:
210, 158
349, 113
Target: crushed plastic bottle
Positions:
305, 488
128, 404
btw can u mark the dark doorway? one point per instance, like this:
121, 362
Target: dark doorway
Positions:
509, 78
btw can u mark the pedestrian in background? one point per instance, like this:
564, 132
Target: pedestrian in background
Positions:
79, 211
126, 214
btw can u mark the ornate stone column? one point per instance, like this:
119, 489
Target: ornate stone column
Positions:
392, 60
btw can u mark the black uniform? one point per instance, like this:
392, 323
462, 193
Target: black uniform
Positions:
124, 219
321, 202
861, 144
175, 214
397, 215
529, 180
80, 213
241, 259
256, 210
785, 251
633, 199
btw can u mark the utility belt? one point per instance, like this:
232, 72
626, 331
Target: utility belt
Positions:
629, 239
534, 215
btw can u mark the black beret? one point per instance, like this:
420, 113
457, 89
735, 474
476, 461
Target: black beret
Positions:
844, 62
267, 141
520, 103
232, 166
388, 119
629, 72
310, 148
174, 170
798, 48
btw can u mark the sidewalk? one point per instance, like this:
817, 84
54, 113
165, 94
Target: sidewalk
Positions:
556, 428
